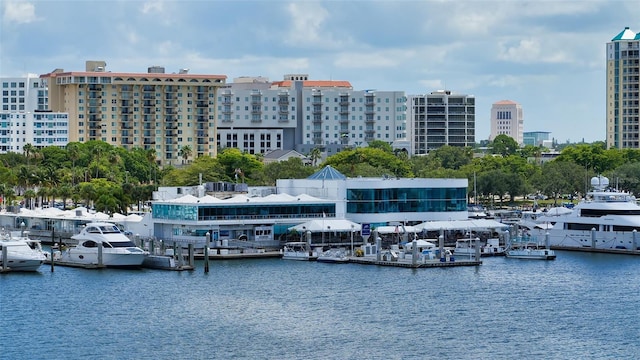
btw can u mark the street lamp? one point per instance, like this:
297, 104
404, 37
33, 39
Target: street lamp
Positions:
352, 239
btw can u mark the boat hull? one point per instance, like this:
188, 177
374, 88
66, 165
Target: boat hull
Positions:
536, 254
120, 259
298, 256
22, 264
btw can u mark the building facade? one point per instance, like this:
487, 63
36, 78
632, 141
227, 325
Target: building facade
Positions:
507, 119
537, 138
623, 92
24, 118
442, 118
256, 115
152, 110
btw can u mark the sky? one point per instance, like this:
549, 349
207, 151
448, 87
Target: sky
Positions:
549, 56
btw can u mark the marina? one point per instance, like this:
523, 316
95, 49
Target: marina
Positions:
253, 307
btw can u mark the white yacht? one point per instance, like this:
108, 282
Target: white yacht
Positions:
117, 249
298, 250
604, 220
22, 253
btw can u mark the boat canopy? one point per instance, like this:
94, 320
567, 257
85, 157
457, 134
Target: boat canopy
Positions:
476, 224
327, 225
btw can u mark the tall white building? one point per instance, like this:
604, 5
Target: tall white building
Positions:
256, 115
24, 118
442, 118
623, 90
507, 119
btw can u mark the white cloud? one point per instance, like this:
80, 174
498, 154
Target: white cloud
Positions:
152, 6
19, 12
307, 27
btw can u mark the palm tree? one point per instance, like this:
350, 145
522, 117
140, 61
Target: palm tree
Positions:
185, 152
28, 150
29, 195
73, 153
315, 155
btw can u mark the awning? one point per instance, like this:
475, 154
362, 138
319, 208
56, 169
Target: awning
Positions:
327, 225
475, 224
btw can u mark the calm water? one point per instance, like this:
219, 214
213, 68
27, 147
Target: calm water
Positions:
578, 306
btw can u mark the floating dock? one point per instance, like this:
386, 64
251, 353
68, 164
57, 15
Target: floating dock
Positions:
238, 254
599, 251
405, 263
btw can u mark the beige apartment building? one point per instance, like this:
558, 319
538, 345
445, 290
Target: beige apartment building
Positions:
152, 110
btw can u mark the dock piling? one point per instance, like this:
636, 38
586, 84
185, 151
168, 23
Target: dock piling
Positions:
206, 253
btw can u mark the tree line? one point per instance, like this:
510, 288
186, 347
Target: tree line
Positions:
111, 179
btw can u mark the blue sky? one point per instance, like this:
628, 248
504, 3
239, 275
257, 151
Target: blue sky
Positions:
547, 55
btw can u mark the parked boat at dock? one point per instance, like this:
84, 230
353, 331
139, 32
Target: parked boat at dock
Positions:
607, 220
298, 250
529, 250
19, 253
489, 247
333, 255
101, 245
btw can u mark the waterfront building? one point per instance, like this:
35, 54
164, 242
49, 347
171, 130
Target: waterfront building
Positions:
623, 92
24, 118
152, 110
186, 215
441, 118
507, 119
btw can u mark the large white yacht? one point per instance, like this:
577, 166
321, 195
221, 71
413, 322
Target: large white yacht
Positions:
117, 249
604, 220
22, 253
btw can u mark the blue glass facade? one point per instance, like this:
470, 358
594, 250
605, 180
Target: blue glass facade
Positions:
241, 212
404, 200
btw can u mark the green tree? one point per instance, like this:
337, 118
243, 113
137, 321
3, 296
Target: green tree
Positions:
382, 145
504, 145
349, 162
292, 168
561, 177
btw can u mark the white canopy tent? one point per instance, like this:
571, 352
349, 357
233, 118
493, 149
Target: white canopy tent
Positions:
339, 225
476, 225
397, 229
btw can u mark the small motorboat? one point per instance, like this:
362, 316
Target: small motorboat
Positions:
22, 253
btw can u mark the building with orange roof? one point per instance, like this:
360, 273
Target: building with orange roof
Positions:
507, 119
296, 113
153, 110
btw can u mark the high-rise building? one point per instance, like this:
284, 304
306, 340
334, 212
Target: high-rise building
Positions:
507, 119
152, 110
623, 81
256, 115
442, 118
24, 118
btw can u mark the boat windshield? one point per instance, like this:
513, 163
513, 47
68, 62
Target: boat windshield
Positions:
122, 244
109, 229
